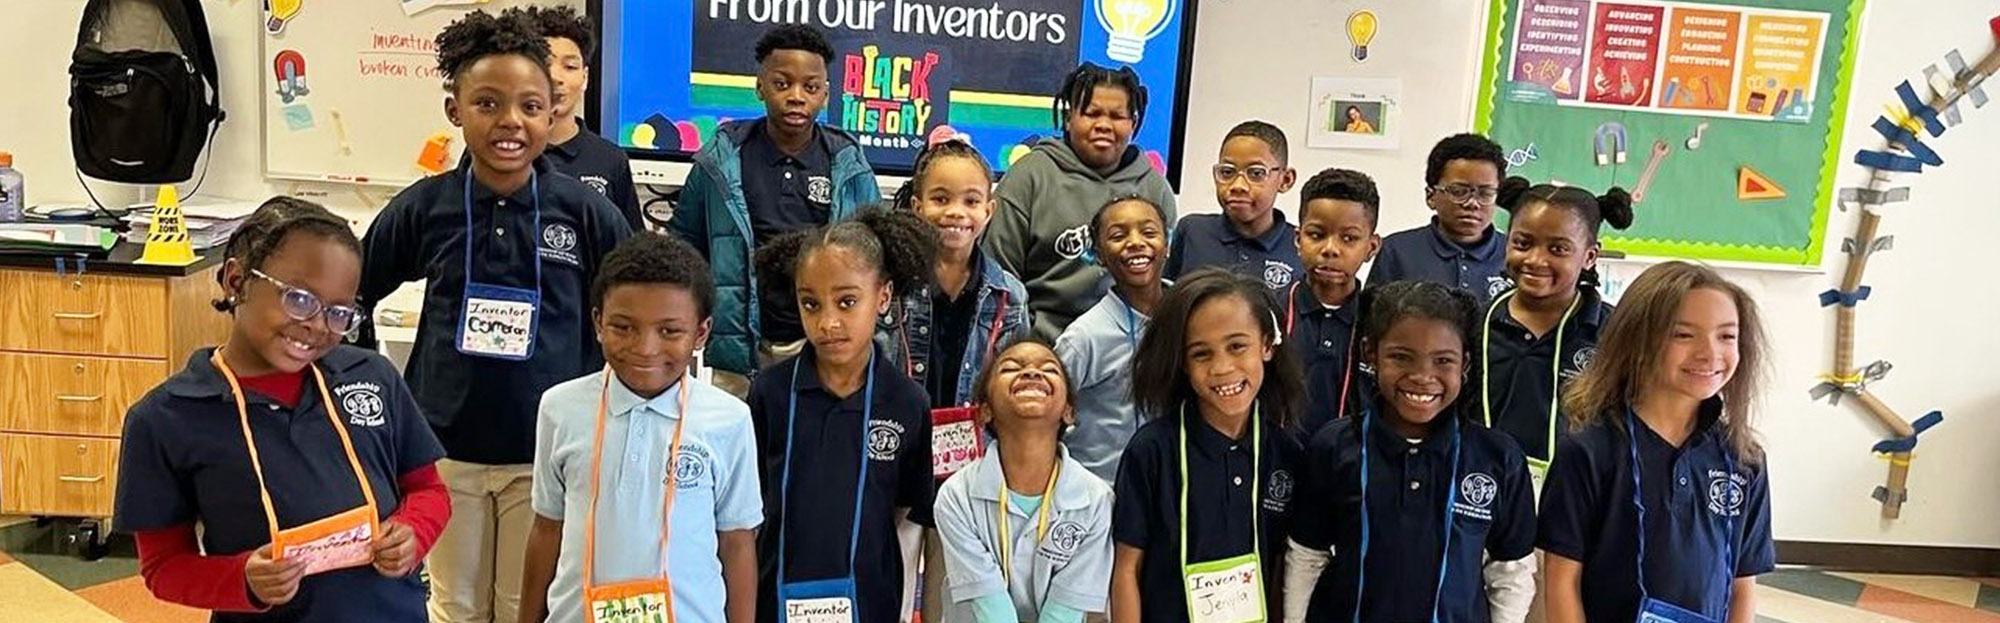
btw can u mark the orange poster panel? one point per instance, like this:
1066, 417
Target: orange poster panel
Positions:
1700, 59
1780, 58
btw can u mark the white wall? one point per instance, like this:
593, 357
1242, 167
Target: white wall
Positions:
1931, 314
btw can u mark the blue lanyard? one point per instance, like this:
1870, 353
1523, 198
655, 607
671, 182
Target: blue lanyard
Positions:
1728, 524
534, 188
1131, 325
1450, 497
861, 483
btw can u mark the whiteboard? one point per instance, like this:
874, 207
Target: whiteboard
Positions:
372, 96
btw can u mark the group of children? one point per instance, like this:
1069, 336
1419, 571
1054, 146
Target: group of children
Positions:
1208, 420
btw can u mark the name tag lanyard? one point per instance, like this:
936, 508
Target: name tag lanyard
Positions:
1655, 610
487, 291
1540, 467
660, 588
835, 587
1450, 498
350, 518
1041, 518
1256, 491
1347, 363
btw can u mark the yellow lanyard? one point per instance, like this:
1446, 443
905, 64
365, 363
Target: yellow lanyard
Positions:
1041, 517
257, 464
1555, 368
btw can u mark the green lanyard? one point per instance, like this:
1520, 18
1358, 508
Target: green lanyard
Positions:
1256, 483
1555, 370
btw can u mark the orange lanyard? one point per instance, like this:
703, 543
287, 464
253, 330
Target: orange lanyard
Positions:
257, 464
596, 469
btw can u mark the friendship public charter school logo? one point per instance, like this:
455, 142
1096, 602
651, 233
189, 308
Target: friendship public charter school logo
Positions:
363, 403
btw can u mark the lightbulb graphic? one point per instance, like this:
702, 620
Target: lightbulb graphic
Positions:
1360, 31
279, 13
1131, 23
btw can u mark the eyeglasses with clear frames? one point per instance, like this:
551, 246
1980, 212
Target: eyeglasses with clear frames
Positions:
303, 306
1256, 173
1464, 194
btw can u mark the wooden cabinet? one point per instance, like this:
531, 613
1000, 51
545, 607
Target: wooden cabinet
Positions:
76, 351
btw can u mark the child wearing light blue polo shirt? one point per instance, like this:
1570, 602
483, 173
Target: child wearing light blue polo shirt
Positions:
1130, 238
617, 450
1027, 529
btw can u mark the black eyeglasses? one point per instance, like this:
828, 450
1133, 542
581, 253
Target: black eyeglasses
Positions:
1464, 194
302, 306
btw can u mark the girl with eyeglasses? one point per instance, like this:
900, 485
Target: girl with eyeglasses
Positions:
306, 462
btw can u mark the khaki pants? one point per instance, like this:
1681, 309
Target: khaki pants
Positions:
475, 567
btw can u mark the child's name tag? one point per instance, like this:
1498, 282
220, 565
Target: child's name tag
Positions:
1225, 591
644, 601
497, 328
337, 542
955, 440
819, 610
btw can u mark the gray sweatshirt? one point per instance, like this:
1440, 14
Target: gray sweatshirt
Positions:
1041, 227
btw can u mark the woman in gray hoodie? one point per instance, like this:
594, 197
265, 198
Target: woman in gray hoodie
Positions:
1041, 226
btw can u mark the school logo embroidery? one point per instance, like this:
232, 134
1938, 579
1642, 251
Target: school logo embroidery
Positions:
885, 437
1281, 487
1475, 496
819, 190
1497, 284
690, 468
1063, 540
559, 243
1579, 361
1725, 493
597, 183
362, 401
1073, 242
1277, 274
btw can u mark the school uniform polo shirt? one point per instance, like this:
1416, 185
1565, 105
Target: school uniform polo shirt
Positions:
482, 408
1097, 350
952, 320
1323, 337
1204, 240
1522, 384
604, 167
1425, 254
1070, 566
785, 193
1492, 514
715, 488
1147, 512
1695, 503
183, 461
827, 443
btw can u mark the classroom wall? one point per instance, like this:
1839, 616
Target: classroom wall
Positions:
1930, 316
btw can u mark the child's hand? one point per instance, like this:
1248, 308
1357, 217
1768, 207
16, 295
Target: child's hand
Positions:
273, 582
395, 549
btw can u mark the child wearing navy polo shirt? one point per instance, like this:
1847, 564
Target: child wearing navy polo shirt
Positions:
1658, 503
1459, 247
845, 437
1338, 210
1204, 491
1250, 237
319, 507
1412, 497
644, 472
758, 179
507, 248
574, 150
1028, 529
1543, 333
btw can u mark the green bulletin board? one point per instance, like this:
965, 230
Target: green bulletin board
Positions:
1594, 93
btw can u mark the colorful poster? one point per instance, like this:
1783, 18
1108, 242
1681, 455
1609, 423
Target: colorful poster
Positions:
1549, 51
1700, 60
1779, 65
1624, 49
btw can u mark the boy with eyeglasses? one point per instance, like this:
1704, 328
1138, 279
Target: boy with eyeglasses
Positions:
1250, 237
1460, 246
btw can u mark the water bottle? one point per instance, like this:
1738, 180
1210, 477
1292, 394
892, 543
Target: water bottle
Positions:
11, 199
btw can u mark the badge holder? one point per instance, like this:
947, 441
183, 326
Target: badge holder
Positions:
957, 441
1661, 611
645, 600
1229, 590
338, 541
500, 322
830, 600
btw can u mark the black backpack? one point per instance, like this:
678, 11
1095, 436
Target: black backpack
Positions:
143, 96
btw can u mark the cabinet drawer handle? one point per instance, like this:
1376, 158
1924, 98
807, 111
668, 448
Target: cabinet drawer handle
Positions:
63, 398
82, 479
89, 316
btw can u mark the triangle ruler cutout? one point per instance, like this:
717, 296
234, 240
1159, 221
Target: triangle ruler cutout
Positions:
1753, 185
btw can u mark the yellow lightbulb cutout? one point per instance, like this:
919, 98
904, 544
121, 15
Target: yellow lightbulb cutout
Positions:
280, 12
1361, 31
1131, 23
